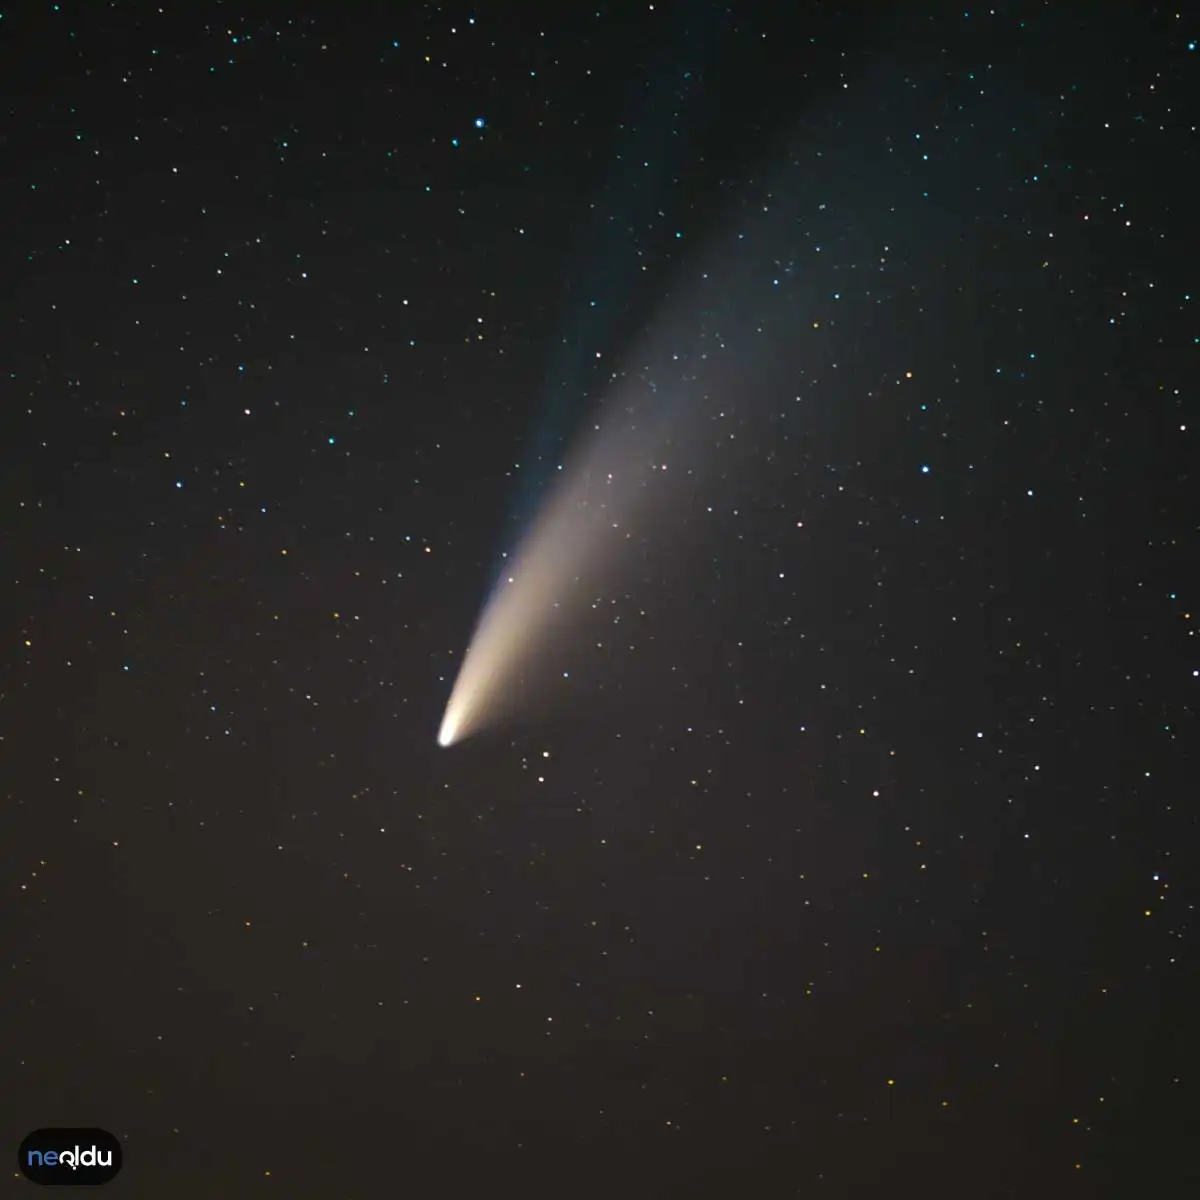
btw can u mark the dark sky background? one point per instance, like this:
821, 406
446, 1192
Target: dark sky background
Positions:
858, 860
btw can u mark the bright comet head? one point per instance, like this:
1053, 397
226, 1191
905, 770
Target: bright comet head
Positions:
448, 729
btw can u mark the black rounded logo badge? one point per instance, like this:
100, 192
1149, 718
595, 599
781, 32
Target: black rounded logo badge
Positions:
69, 1156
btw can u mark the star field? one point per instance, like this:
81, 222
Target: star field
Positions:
836, 840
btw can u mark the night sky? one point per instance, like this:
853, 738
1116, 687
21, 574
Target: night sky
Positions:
840, 845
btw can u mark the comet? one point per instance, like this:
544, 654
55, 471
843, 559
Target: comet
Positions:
556, 572
681, 405
533, 597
